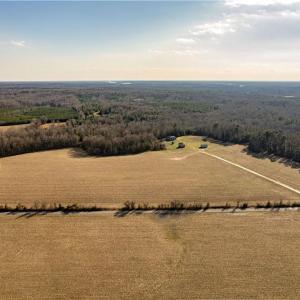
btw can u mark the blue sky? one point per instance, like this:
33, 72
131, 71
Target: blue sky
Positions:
203, 40
96, 26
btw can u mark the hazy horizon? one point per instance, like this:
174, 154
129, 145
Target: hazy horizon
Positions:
111, 81
226, 40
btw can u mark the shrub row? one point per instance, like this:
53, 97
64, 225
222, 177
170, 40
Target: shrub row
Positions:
50, 208
176, 205
132, 206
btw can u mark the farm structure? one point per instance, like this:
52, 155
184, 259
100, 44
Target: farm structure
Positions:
170, 138
203, 146
146, 177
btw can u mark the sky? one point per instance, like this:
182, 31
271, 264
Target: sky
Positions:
150, 40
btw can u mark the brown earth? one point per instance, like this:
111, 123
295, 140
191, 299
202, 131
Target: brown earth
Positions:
47, 125
200, 256
68, 176
8, 127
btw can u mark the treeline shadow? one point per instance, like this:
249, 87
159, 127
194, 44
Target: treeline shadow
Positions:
174, 208
79, 153
274, 158
157, 212
43, 209
213, 141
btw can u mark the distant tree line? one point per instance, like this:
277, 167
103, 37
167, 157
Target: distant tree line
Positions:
94, 140
35, 138
115, 122
274, 142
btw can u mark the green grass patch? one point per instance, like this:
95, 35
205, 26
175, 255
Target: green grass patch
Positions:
192, 143
26, 115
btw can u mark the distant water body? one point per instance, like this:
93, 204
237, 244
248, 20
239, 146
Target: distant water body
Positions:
285, 90
157, 84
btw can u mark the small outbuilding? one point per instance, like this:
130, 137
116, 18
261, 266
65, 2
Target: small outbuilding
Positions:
203, 146
170, 138
181, 145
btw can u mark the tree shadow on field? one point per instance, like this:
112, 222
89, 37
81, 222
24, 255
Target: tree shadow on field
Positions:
273, 158
32, 214
79, 153
213, 141
123, 213
156, 212
174, 213
28, 215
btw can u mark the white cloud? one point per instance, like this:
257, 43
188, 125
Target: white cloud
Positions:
239, 21
237, 3
290, 14
19, 44
250, 39
185, 41
248, 32
216, 28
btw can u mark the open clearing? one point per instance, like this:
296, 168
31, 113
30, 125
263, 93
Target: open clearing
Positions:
9, 127
215, 256
185, 175
253, 172
47, 125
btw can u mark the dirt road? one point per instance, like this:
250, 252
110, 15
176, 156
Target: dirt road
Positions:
253, 172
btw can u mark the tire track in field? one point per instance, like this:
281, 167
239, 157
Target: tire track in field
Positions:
254, 173
185, 156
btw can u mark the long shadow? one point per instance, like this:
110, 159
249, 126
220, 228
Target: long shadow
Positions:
123, 213
157, 212
31, 214
175, 213
73, 212
79, 153
273, 158
213, 141
28, 215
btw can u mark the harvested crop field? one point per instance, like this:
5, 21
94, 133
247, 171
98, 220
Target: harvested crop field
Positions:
187, 175
16, 127
200, 256
9, 127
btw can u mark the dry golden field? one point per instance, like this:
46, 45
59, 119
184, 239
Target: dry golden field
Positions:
200, 256
8, 127
47, 125
53, 124
278, 171
186, 175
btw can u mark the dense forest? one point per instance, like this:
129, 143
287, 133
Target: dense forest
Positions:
116, 120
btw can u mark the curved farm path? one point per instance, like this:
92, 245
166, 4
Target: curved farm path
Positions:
253, 172
184, 157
